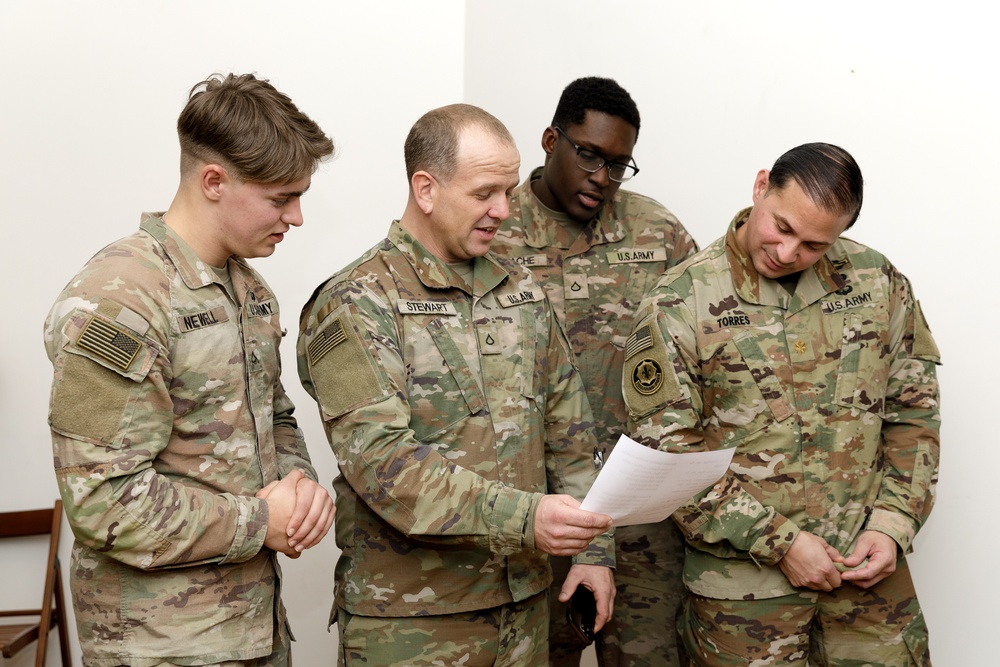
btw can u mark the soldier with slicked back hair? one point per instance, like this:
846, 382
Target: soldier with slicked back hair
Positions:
809, 355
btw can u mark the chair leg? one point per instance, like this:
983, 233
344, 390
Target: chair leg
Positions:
61, 619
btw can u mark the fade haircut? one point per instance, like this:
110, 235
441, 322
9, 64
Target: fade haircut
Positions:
595, 93
827, 173
432, 144
250, 128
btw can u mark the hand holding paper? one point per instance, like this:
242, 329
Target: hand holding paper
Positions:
643, 485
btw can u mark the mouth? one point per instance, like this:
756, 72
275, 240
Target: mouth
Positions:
774, 266
487, 232
590, 199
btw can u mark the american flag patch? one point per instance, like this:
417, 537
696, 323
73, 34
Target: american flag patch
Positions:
638, 341
327, 339
109, 343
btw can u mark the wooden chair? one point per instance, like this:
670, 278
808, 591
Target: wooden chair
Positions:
17, 635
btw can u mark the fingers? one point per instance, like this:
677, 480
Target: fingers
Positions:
561, 529
303, 502
605, 599
319, 518
266, 491
600, 581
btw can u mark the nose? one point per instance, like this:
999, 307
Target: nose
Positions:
292, 215
601, 177
787, 253
500, 209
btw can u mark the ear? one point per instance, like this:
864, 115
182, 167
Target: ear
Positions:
213, 180
425, 189
760, 184
549, 139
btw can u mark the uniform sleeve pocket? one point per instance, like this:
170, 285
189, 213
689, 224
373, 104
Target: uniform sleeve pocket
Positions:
97, 378
343, 367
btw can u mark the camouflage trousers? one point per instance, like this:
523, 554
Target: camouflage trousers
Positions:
281, 655
511, 635
882, 626
276, 659
650, 590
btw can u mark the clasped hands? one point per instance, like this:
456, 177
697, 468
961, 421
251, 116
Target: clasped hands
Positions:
812, 563
300, 513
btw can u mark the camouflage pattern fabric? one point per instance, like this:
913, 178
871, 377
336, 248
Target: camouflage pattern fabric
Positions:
451, 409
511, 635
595, 277
848, 627
167, 416
828, 395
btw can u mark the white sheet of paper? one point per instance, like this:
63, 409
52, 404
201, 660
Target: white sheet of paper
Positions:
643, 485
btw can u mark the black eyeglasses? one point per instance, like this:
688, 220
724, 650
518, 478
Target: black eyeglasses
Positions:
590, 161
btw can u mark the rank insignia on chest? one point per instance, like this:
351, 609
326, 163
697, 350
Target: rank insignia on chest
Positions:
489, 339
647, 377
576, 286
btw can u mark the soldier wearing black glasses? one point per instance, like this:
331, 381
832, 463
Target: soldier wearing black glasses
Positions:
597, 249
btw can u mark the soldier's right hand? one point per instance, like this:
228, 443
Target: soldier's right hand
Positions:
811, 563
563, 529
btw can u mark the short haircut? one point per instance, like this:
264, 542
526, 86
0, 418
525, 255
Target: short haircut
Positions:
594, 93
432, 144
827, 173
249, 127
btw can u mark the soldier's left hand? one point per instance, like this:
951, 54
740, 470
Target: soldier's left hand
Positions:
601, 582
881, 552
312, 516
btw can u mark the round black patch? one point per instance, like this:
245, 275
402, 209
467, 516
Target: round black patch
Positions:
647, 377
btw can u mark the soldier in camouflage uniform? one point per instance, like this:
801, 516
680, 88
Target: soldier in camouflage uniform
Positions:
808, 354
167, 411
597, 250
450, 401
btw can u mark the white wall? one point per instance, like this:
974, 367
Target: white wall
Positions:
724, 87
90, 97
91, 91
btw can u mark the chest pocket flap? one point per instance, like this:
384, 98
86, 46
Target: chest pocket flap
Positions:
460, 370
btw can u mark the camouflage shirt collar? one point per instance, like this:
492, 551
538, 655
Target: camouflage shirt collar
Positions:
193, 270
542, 228
435, 274
820, 279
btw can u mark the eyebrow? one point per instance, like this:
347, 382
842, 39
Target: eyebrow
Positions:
295, 193
621, 159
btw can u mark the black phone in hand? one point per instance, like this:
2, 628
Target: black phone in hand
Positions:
581, 613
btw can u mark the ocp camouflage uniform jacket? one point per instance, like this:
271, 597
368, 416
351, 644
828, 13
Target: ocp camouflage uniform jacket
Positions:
167, 416
829, 396
451, 411
595, 278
